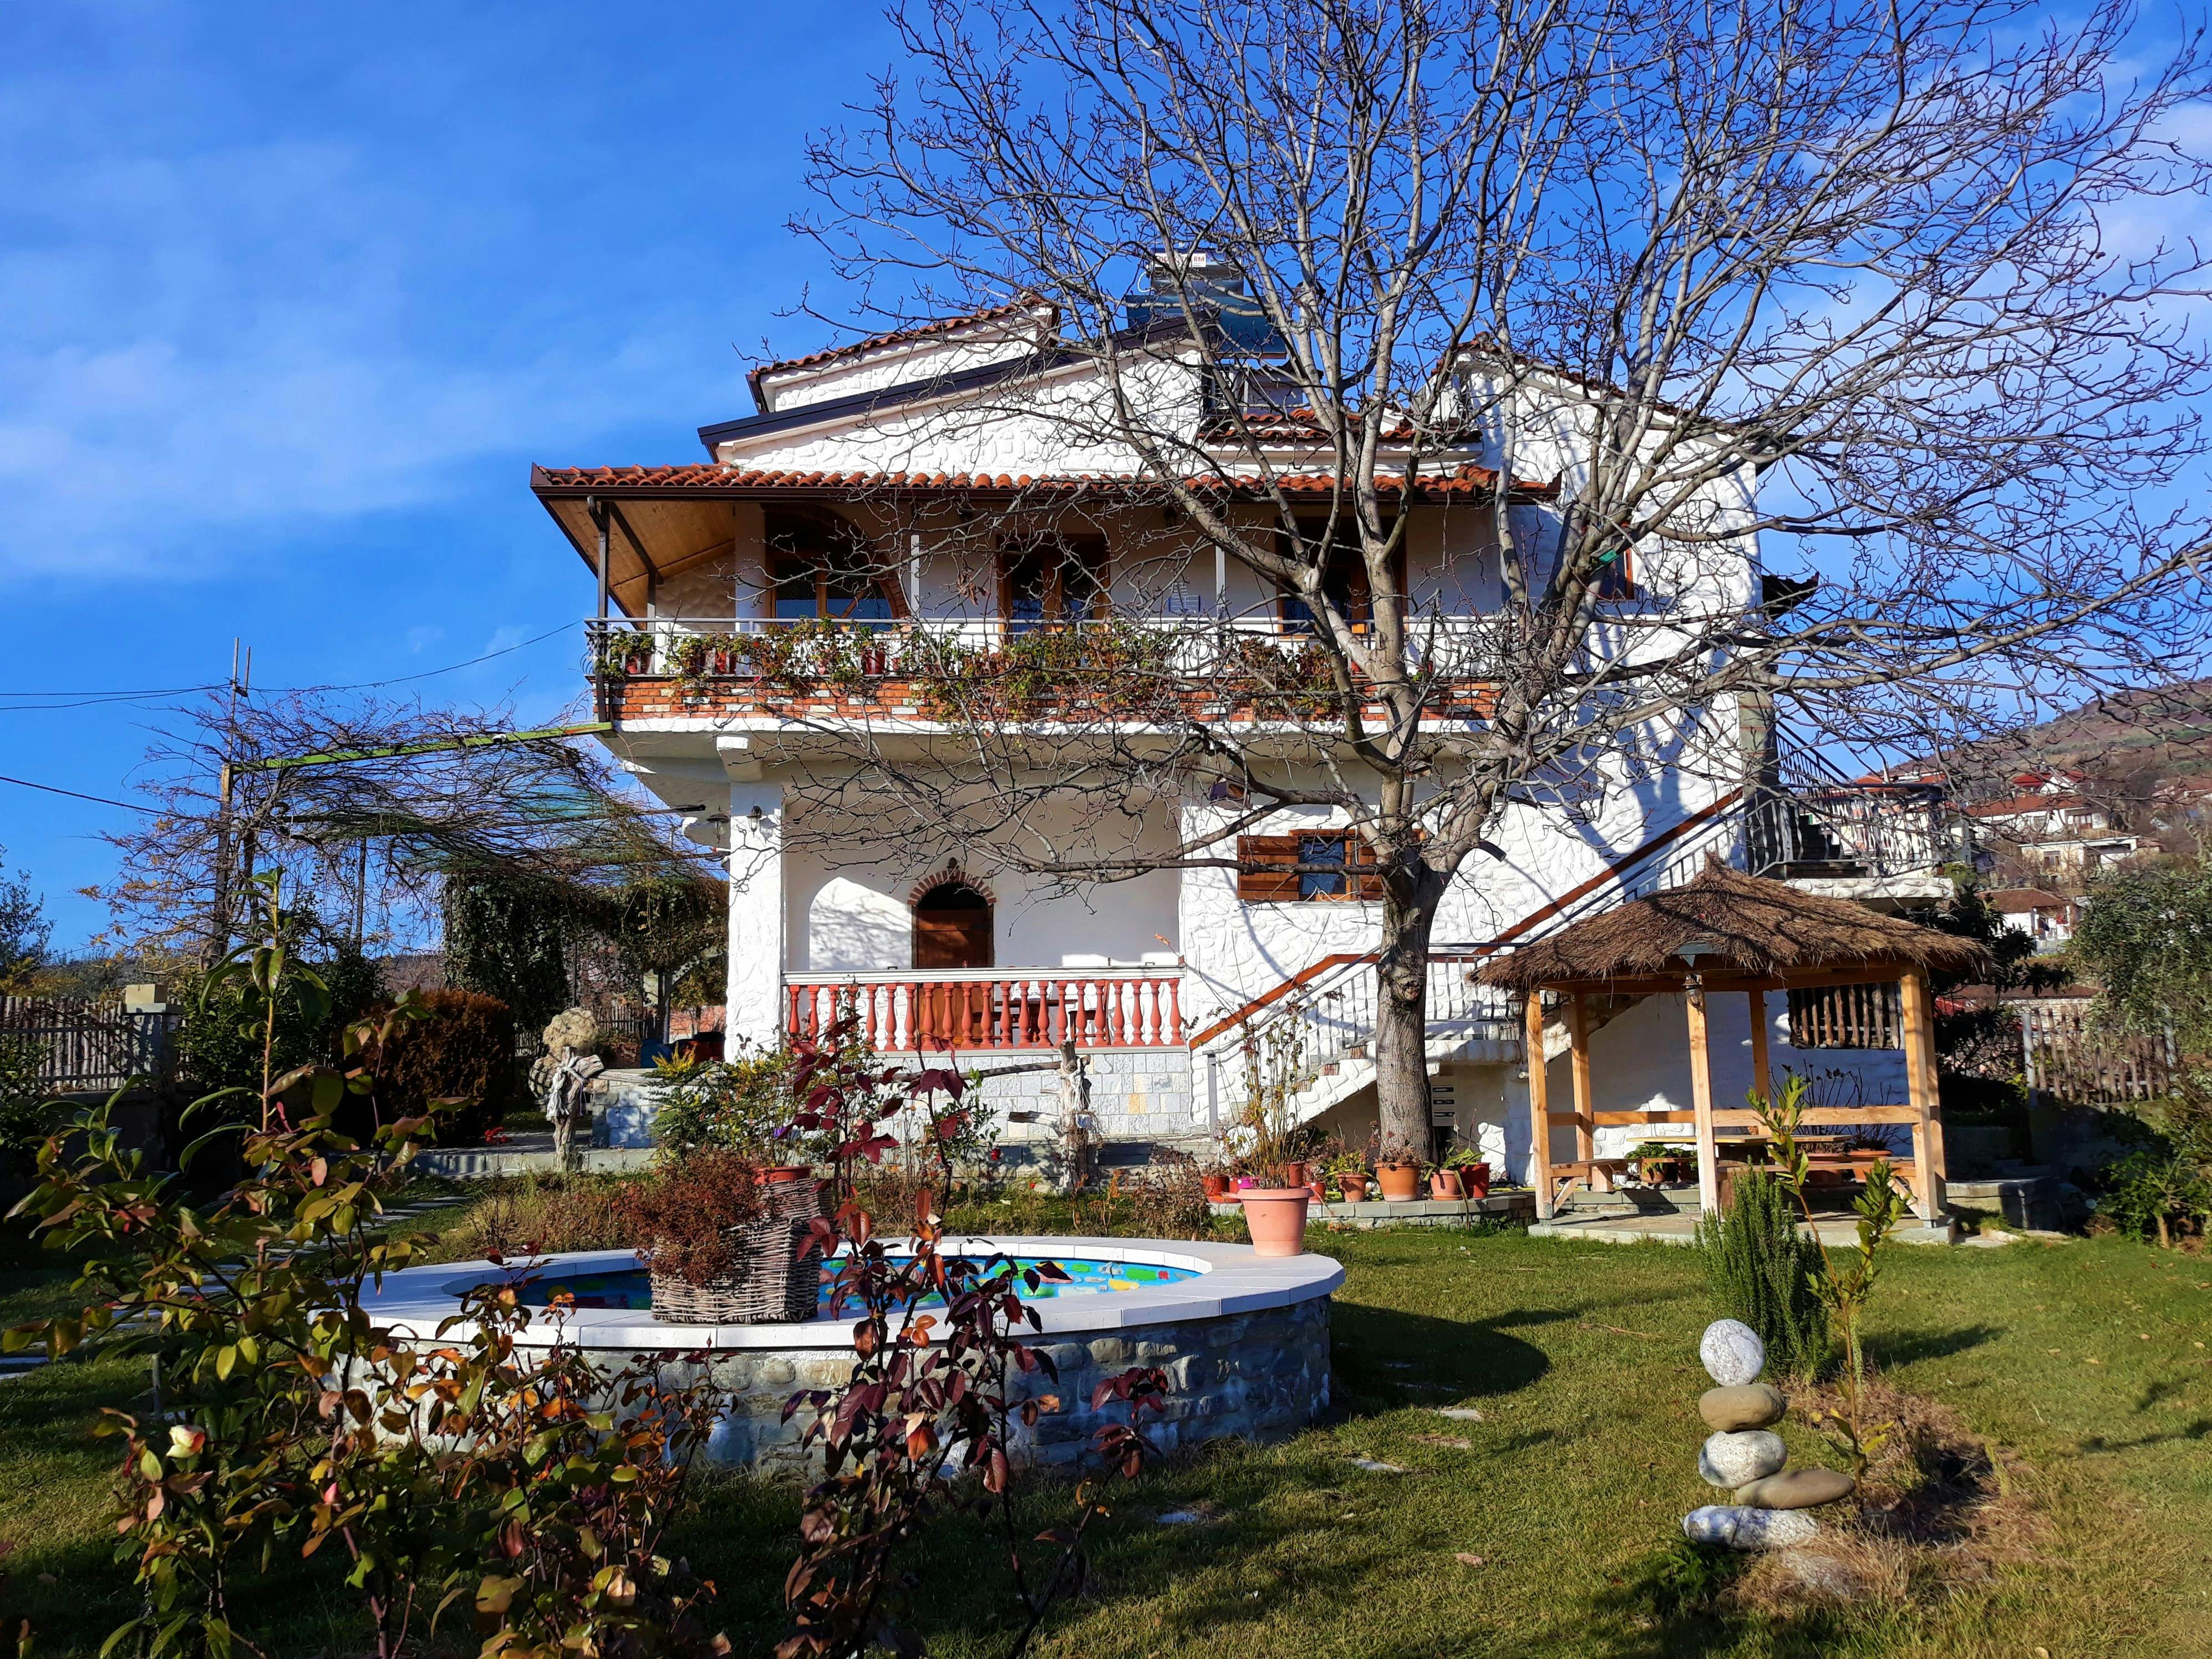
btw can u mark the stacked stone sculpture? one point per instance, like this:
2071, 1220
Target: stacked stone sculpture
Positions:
1744, 1454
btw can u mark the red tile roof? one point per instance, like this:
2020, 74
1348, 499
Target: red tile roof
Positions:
2020, 901
2020, 805
1020, 303
1466, 482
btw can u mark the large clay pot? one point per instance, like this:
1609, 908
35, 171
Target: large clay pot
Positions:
776, 1174
1397, 1180
1444, 1183
1294, 1174
1475, 1178
1276, 1218
1355, 1188
1217, 1188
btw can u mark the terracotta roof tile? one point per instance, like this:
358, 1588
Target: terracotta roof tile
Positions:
1467, 483
1020, 303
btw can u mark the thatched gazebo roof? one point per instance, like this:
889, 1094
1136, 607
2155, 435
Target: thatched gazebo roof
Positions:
1756, 927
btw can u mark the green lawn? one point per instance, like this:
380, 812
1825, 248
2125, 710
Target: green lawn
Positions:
2082, 1362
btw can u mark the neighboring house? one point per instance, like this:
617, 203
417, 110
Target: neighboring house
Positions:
844, 500
2047, 918
2052, 826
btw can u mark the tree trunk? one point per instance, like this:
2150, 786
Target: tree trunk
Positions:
1401, 1011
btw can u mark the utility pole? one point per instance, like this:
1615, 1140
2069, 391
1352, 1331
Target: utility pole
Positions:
219, 921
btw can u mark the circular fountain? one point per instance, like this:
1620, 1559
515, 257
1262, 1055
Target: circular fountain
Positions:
1242, 1338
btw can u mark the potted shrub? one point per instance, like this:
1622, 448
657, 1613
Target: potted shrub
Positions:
1443, 1183
1474, 1174
1268, 1144
1397, 1172
719, 1245
1351, 1173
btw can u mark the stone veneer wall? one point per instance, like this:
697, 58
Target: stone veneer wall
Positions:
1260, 1376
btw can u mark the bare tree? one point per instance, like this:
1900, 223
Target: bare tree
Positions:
1866, 293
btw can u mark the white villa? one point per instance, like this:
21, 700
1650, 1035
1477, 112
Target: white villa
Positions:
844, 501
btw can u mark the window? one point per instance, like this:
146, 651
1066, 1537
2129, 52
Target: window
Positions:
1846, 1016
1344, 580
1059, 579
822, 569
1328, 867
1616, 576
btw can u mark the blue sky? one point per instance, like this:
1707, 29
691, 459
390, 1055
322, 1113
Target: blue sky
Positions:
293, 295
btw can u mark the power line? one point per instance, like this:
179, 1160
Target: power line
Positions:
90, 699
432, 673
127, 805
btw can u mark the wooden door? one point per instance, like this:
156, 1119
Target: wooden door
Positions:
952, 928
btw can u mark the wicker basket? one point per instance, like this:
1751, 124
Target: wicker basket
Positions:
769, 1285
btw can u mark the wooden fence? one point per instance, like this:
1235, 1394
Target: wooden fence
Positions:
90, 1042
2067, 1053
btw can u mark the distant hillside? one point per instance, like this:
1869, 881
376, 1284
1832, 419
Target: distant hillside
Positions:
2168, 733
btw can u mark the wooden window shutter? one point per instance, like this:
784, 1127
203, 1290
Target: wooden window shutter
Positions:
1266, 869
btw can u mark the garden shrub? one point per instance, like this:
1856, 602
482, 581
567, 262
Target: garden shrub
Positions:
26, 1114
461, 1049
736, 1105
1762, 1271
681, 1216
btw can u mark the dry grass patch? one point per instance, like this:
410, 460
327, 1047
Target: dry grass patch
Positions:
1939, 1510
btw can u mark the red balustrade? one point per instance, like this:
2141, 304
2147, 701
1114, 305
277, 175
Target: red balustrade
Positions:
996, 1011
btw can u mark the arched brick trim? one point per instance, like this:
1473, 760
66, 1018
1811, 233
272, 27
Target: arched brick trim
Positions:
950, 876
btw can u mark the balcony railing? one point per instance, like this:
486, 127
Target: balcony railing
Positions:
923, 1011
755, 647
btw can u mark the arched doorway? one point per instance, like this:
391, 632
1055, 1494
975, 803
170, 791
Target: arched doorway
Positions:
953, 926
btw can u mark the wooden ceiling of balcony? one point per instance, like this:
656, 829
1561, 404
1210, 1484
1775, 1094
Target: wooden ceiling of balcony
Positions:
648, 541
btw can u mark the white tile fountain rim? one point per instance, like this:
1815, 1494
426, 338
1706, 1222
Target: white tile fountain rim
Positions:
1231, 1280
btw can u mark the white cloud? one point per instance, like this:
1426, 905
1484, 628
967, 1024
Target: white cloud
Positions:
205, 348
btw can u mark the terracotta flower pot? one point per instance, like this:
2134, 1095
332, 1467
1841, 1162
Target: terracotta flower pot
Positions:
1217, 1188
1355, 1188
1475, 1178
1276, 1218
1319, 1190
1294, 1174
1444, 1183
776, 1174
1397, 1180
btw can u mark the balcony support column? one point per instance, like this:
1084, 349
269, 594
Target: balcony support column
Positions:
754, 997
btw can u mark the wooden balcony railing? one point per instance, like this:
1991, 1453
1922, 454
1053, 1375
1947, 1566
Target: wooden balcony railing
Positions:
921, 1011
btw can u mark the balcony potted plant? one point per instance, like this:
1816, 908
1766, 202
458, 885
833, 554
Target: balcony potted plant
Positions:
720, 1246
1397, 1172
1473, 1173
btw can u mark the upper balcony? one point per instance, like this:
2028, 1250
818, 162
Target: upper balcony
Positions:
949, 673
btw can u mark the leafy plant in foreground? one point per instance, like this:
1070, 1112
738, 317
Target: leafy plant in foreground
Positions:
1762, 1271
1845, 1290
933, 1404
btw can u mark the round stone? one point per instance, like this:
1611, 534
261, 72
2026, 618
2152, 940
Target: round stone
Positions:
1796, 1489
1737, 1460
1732, 1353
1739, 1529
1748, 1406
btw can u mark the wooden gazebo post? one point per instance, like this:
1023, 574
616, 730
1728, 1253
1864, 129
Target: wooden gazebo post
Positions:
1917, 1007
1539, 1104
1762, 1071
1578, 1036
1701, 1096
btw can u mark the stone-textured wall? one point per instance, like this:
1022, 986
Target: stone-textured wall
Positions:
1259, 1376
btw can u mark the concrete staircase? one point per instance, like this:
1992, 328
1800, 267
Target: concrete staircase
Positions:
1338, 1080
